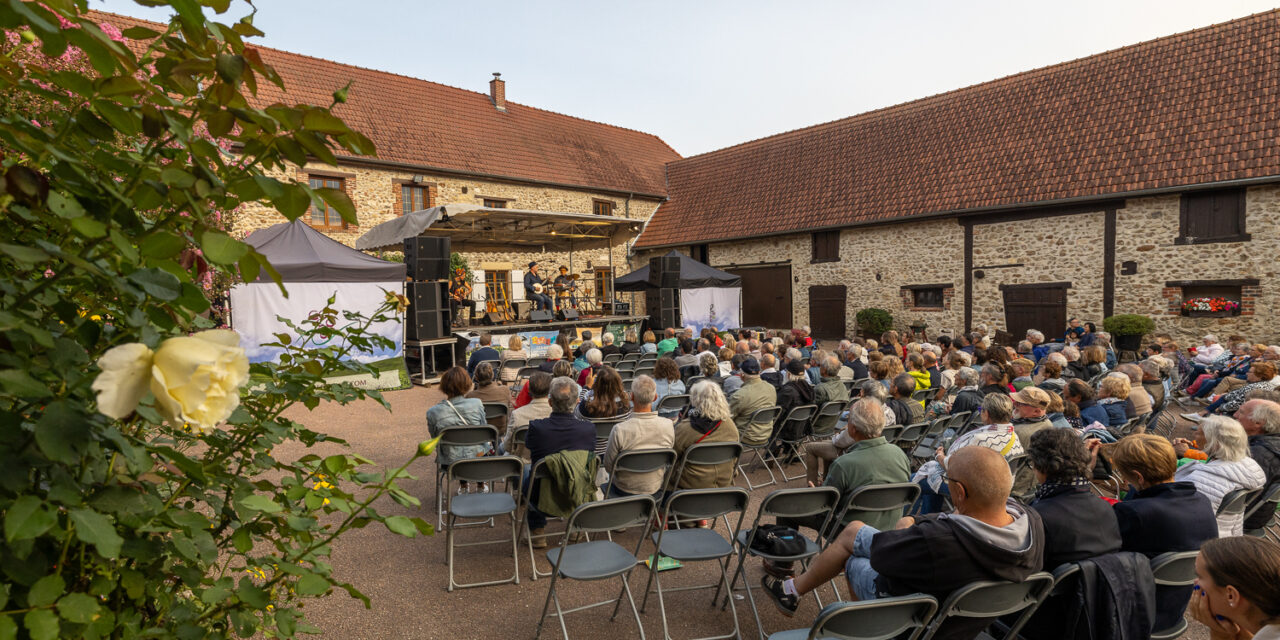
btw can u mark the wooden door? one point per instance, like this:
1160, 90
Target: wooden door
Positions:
766, 296
1036, 306
827, 311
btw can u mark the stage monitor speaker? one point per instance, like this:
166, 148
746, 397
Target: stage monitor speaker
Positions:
521, 308
568, 314
428, 296
427, 325
427, 258
540, 315
491, 318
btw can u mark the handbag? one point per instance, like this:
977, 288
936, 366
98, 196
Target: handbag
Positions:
778, 540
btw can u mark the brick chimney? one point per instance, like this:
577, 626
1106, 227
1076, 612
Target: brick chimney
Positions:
498, 92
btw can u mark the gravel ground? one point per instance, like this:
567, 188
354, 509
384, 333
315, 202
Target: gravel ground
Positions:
406, 578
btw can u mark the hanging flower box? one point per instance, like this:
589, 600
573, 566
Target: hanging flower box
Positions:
1210, 307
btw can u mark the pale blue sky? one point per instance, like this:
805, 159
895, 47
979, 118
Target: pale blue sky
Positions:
709, 74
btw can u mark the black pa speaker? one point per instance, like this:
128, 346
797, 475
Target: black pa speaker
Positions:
427, 325
568, 314
664, 272
427, 258
491, 318
663, 306
622, 308
428, 296
540, 315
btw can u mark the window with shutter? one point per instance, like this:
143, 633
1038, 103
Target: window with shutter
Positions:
1213, 216
826, 246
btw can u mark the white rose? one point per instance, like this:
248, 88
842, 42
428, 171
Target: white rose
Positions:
126, 374
197, 378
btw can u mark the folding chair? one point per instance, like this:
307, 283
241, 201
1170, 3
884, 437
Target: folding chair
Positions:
627, 375
697, 545
625, 365
513, 363
458, 435
599, 559
706, 454
612, 358
639, 356
895, 496
923, 395
644, 370
484, 506
910, 435
784, 503
825, 422
1020, 465
626, 384
688, 384
604, 428
869, 620
1268, 500
672, 405
522, 375
538, 472
849, 386
534, 363
992, 599
1174, 569
518, 437
892, 433
1134, 423
957, 421
929, 439
496, 410
1064, 581
795, 423
762, 417
1234, 503
642, 461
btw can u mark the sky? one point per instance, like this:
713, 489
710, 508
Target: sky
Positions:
709, 74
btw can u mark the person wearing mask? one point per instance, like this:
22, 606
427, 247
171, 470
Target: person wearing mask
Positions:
561, 431
754, 394
1237, 595
644, 430
1228, 468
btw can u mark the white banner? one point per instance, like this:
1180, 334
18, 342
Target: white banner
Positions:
255, 306
718, 307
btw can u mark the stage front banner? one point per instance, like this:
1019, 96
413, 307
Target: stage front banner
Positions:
255, 307
719, 307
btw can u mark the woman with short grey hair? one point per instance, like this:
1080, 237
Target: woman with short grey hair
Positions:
1229, 467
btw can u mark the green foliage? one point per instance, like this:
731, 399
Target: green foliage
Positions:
115, 180
456, 261
874, 321
1128, 324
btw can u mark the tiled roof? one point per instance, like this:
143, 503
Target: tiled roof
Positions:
428, 124
1197, 107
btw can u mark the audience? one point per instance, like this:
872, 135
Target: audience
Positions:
1236, 591
996, 434
1051, 374
607, 347
1261, 422
707, 420
1080, 394
560, 431
629, 343
1228, 468
644, 430
1077, 525
514, 351
483, 353
1112, 392
606, 398
456, 409
595, 362
667, 377
487, 391
1138, 402
754, 394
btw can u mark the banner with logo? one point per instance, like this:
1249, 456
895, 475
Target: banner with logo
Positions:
719, 307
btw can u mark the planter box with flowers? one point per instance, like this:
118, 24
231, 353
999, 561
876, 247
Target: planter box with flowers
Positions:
1210, 307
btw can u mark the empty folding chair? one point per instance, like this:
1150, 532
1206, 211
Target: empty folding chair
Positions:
516, 444
790, 435
825, 422
637, 357
612, 358
869, 620
671, 406
458, 435
988, 600
507, 469
644, 370
625, 365
762, 419
598, 559
910, 435
1173, 569
641, 461
783, 503
495, 413
706, 454
930, 439
627, 375
698, 545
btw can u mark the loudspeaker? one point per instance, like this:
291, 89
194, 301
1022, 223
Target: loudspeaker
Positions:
427, 325
428, 296
568, 314
521, 308
663, 306
491, 318
622, 308
664, 272
427, 258
540, 315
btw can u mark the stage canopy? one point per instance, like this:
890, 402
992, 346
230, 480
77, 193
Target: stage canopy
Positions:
302, 254
693, 275
474, 228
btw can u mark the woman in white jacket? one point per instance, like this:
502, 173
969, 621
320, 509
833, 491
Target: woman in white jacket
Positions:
1229, 467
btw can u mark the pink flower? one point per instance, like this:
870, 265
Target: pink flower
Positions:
111, 31
48, 273
36, 123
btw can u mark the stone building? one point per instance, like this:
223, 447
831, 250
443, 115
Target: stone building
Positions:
1125, 182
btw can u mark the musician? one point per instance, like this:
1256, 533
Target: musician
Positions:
460, 294
534, 287
566, 287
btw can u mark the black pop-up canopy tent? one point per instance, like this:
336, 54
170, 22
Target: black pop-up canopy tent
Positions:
302, 254
693, 275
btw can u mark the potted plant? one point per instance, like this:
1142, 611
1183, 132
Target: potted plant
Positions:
1128, 329
872, 322
1210, 307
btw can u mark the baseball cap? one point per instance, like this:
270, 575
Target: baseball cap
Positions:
1032, 396
750, 367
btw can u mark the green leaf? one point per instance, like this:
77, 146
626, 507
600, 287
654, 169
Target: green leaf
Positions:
97, 529
139, 33
242, 541
89, 228
252, 594
120, 85
62, 432
258, 502
25, 255
27, 518
317, 119
46, 590
175, 177
401, 525
230, 67
8, 628
42, 624
162, 244
312, 585
21, 384
292, 201
157, 284
78, 607
64, 206
339, 200
221, 248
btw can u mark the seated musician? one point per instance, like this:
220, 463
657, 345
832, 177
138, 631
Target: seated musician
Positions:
534, 288
460, 294
566, 287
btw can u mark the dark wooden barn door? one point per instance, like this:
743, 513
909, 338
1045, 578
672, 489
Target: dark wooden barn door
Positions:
766, 296
1035, 306
826, 311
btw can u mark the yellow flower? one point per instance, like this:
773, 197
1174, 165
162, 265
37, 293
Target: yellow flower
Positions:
96, 318
126, 373
197, 378
401, 302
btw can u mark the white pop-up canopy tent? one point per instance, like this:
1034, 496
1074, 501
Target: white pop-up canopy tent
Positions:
315, 267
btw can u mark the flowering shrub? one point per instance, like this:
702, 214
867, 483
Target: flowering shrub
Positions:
139, 486
1220, 305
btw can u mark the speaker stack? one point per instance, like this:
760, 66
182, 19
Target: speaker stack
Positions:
663, 302
427, 262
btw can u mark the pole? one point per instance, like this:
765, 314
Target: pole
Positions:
610, 245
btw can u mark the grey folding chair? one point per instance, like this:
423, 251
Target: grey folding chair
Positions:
1268, 500
848, 385
495, 410
892, 433
484, 506
993, 599
535, 362
762, 418
882, 619
598, 559
783, 503
930, 437
910, 435
923, 395
826, 420
697, 545
626, 384
518, 436
458, 435
1174, 569
707, 454
515, 364
644, 357
538, 472
644, 370
670, 406
896, 497
790, 435
625, 365
604, 428
1020, 465
958, 420
688, 384
641, 461
612, 358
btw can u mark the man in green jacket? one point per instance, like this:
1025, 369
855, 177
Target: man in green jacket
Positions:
831, 389
668, 343
754, 394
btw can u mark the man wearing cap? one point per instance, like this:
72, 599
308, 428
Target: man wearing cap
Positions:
539, 300
754, 394
566, 284
1029, 407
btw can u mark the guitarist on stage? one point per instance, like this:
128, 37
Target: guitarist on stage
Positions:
534, 287
460, 294
567, 287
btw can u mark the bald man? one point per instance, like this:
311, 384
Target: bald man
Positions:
988, 537
1261, 421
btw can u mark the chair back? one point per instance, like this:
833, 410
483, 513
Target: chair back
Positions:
616, 513
692, 380
625, 365
627, 375
604, 426
488, 469
644, 357
707, 504
958, 420
762, 417
612, 358
644, 370
535, 362
673, 403
800, 503
630, 357
468, 434
1270, 496
881, 619
519, 435
493, 410
626, 384
1134, 423
793, 425
912, 433
923, 395
848, 386
824, 423
643, 460
515, 363
525, 372
892, 433
708, 454
896, 497
992, 599
1175, 568
1234, 503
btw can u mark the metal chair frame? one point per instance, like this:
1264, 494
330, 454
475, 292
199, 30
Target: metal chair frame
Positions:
763, 451
825, 421
1029, 593
486, 469
678, 402
923, 395
1270, 495
642, 461
892, 432
458, 435
803, 413
706, 454
1173, 569
688, 384
869, 620
496, 410
612, 358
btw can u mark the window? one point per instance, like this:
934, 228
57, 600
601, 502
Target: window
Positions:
1212, 216
325, 216
826, 246
602, 207
497, 287
927, 298
701, 253
604, 283
495, 203
414, 198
